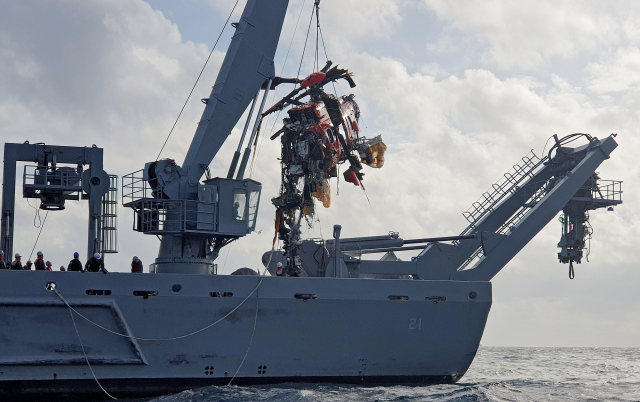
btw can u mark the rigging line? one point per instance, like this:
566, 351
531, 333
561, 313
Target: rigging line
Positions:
225, 259
37, 238
313, 10
162, 339
286, 57
197, 79
545, 146
316, 57
255, 322
87, 359
333, 83
37, 215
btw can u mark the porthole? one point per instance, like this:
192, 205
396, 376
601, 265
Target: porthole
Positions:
176, 288
50, 286
473, 295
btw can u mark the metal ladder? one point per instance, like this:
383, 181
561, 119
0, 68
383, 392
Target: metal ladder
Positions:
109, 217
509, 183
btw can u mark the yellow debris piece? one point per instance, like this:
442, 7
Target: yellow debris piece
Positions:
323, 194
377, 154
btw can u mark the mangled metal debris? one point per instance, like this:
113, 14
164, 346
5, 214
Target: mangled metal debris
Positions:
317, 137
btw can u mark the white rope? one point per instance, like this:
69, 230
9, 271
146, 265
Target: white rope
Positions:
255, 322
85, 355
164, 339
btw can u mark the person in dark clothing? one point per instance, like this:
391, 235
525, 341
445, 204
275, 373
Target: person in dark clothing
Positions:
40, 262
3, 263
75, 264
27, 266
136, 265
49, 266
95, 264
16, 264
62, 268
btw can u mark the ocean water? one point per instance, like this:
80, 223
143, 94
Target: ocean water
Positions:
497, 374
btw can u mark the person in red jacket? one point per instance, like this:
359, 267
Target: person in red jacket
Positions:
136, 265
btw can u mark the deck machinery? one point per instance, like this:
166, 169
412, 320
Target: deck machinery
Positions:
346, 319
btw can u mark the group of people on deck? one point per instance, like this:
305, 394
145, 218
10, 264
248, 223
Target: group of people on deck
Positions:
94, 264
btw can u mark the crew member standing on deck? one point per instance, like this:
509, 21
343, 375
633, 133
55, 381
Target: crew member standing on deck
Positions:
95, 264
75, 264
279, 269
136, 265
48, 266
3, 263
27, 266
40, 262
16, 264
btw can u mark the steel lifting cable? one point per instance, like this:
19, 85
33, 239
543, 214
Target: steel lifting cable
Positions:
319, 30
255, 154
197, 79
313, 10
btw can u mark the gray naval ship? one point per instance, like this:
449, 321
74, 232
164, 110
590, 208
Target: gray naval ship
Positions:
345, 319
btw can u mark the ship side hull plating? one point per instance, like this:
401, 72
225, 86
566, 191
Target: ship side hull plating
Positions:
347, 331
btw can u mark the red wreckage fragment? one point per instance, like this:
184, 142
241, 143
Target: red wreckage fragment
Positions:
317, 136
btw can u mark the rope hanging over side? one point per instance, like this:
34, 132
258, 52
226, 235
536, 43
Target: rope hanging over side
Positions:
164, 339
87, 358
39, 233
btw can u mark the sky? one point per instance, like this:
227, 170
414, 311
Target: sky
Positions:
459, 91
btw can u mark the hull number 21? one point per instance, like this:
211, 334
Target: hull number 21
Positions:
415, 323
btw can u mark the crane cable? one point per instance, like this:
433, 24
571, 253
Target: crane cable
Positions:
197, 79
255, 154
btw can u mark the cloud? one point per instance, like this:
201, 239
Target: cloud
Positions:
617, 71
110, 73
524, 34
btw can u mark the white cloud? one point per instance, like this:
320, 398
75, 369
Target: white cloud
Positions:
524, 34
617, 71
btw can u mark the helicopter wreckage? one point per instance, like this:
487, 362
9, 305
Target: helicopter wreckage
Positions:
317, 137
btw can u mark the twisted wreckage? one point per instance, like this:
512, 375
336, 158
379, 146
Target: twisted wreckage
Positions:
313, 146
184, 326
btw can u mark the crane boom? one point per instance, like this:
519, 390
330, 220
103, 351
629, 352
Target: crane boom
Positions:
247, 64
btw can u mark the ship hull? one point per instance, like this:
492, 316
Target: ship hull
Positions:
361, 331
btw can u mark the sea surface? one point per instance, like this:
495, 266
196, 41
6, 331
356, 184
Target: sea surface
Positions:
497, 374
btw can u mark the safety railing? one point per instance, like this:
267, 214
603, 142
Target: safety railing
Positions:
608, 190
509, 183
173, 216
46, 178
135, 188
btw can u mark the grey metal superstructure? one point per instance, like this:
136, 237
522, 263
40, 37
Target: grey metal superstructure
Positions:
346, 319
